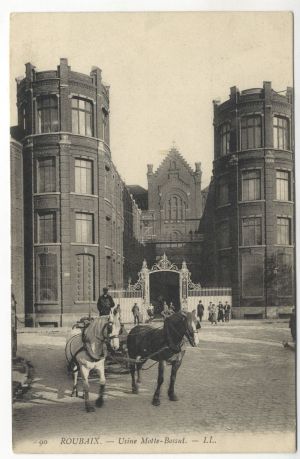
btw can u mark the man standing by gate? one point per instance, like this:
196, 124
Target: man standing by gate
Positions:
136, 314
200, 310
105, 303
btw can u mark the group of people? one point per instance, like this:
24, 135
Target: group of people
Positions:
219, 313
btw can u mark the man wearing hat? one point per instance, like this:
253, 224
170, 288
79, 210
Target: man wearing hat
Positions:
105, 303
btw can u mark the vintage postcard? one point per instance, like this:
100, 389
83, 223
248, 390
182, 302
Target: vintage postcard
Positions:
153, 232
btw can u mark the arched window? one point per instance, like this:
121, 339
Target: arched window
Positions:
175, 208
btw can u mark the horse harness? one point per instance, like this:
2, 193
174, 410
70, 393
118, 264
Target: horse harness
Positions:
104, 339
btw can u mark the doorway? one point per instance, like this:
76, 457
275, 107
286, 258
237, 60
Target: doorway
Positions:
164, 286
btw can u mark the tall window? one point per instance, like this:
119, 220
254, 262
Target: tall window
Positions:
85, 278
251, 231
47, 114
281, 133
46, 227
83, 176
251, 132
46, 277
251, 185
84, 228
224, 139
109, 274
46, 176
108, 232
105, 126
283, 231
252, 275
223, 235
175, 208
82, 117
283, 189
222, 192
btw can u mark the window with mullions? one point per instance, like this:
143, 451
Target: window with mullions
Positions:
251, 231
251, 132
83, 176
84, 228
224, 133
47, 114
281, 133
82, 117
46, 175
46, 274
251, 187
283, 189
175, 208
46, 227
283, 231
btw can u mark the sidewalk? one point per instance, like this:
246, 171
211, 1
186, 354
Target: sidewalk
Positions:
62, 331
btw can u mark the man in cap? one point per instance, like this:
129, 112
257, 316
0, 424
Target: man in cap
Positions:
105, 303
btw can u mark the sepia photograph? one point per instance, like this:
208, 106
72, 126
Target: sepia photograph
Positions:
152, 220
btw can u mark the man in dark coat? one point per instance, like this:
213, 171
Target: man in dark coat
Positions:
200, 310
105, 303
136, 313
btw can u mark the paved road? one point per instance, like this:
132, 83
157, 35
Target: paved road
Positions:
240, 379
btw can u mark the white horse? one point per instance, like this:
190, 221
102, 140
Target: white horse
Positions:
87, 351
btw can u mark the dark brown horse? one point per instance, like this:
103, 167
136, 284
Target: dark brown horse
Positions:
164, 345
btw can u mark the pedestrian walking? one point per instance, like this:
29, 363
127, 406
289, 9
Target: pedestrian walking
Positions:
213, 316
227, 309
209, 311
200, 310
220, 312
105, 303
136, 313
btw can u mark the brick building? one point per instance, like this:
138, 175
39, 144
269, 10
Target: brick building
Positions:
72, 195
248, 220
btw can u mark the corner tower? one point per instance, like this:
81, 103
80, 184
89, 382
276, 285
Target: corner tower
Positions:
253, 185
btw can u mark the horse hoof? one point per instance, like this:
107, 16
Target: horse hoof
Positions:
135, 390
89, 409
99, 402
173, 397
156, 402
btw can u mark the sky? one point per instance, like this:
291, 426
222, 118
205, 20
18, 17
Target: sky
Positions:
164, 70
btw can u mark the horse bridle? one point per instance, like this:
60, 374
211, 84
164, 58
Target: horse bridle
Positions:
107, 339
187, 333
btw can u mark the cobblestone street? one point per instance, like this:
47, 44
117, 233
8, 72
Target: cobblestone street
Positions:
239, 379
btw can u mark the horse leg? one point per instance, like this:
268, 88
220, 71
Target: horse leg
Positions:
85, 380
139, 367
100, 401
175, 366
135, 389
160, 380
75, 381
